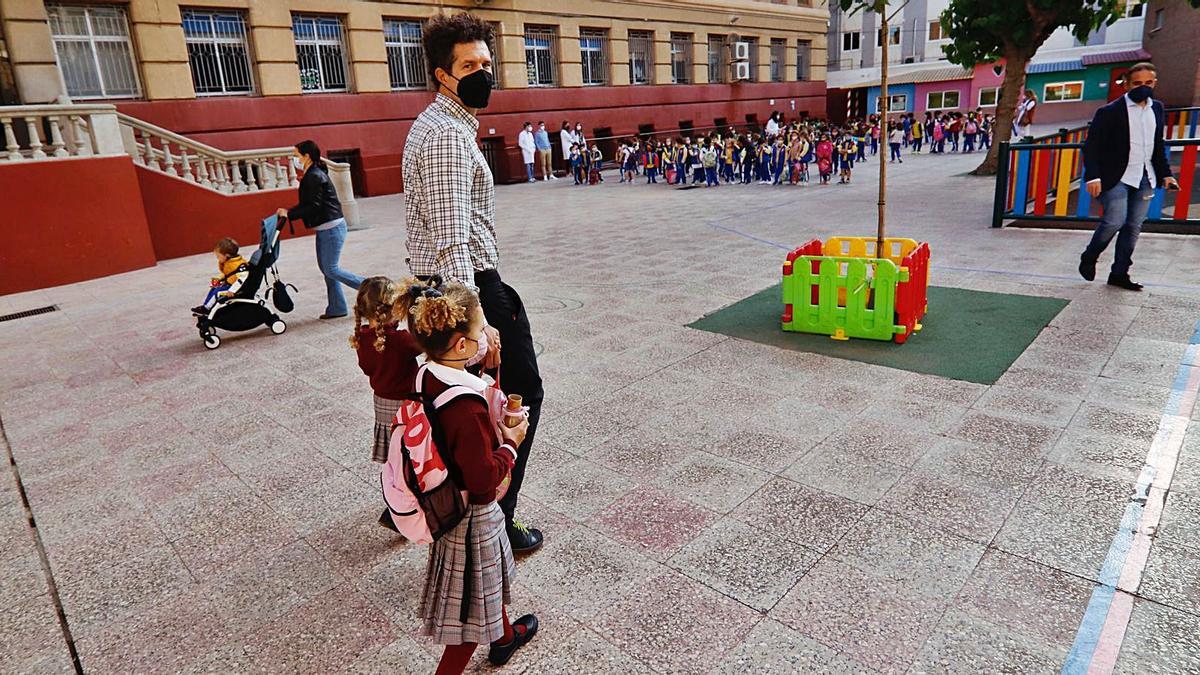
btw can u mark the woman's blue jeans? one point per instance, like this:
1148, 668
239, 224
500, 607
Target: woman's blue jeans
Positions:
329, 254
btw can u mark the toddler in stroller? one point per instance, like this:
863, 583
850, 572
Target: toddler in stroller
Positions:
233, 272
241, 307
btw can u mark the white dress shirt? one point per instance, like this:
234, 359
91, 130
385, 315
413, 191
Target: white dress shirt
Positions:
1141, 143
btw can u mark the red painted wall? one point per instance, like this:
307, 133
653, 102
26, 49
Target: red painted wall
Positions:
52, 237
185, 219
377, 124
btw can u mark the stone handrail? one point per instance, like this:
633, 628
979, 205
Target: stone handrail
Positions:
49, 132
225, 171
41, 132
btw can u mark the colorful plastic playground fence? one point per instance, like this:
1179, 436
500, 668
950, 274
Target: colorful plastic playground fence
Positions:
844, 290
1041, 179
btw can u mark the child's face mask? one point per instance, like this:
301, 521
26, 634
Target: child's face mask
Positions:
481, 352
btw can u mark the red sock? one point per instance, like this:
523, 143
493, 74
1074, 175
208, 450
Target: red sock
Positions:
455, 659
510, 631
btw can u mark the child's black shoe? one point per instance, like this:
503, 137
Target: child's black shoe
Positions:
524, 629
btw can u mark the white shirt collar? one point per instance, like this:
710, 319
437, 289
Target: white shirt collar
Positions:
453, 376
1129, 103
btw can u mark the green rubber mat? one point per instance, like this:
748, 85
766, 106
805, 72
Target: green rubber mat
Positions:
967, 335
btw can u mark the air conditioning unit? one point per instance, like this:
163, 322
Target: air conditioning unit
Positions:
741, 70
741, 51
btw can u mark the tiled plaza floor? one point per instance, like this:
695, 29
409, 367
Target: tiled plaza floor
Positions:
710, 505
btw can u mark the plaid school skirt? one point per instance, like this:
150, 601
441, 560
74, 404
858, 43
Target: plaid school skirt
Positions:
469, 580
385, 412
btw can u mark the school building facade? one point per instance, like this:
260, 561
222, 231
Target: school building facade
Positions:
350, 74
1070, 77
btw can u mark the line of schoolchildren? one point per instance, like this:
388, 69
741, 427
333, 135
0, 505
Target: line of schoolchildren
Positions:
782, 154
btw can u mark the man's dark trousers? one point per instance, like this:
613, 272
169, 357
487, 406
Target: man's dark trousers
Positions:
505, 312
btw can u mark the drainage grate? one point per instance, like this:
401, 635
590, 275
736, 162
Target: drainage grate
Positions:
29, 312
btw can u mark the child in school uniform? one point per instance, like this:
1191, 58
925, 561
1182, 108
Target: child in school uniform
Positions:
576, 160
650, 160
387, 355
596, 164
825, 159
708, 159
849, 147
683, 160
778, 161
469, 577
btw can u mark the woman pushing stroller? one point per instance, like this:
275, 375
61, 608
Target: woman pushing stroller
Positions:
321, 210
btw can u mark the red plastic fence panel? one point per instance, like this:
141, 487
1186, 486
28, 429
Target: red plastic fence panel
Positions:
911, 295
1187, 171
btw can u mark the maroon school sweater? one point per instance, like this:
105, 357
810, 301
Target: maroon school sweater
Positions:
392, 371
473, 455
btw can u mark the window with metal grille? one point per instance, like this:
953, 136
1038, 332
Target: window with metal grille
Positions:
494, 48
778, 58
593, 52
541, 62
641, 57
93, 50
681, 58
717, 58
405, 55
803, 60
752, 42
321, 53
217, 51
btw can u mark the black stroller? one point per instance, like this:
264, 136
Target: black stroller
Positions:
247, 309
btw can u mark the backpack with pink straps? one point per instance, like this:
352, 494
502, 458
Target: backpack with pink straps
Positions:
422, 498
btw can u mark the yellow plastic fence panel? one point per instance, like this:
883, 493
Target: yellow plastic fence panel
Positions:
1066, 164
864, 247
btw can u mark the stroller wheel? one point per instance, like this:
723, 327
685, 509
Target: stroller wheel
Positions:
212, 341
278, 326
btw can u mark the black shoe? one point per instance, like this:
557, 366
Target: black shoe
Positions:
524, 539
1124, 282
499, 654
200, 310
385, 519
331, 316
1087, 269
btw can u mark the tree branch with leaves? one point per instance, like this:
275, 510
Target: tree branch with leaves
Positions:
985, 31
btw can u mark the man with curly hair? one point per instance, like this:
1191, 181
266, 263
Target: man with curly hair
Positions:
450, 216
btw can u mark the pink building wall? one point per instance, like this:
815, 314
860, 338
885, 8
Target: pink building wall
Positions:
963, 87
985, 77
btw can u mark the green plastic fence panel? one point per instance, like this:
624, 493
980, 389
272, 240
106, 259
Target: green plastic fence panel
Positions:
870, 297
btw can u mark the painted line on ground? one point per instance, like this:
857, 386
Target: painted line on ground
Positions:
1101, 633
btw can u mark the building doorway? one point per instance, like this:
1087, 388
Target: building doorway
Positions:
1116, 83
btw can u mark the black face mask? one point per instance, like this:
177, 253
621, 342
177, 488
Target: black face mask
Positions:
1140, 94
475, 89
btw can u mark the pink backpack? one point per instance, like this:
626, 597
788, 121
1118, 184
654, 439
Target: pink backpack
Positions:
422, 499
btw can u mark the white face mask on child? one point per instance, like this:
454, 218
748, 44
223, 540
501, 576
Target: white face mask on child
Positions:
481, 352
297, 163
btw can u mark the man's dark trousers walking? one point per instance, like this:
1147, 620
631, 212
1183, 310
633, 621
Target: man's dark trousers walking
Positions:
504, 311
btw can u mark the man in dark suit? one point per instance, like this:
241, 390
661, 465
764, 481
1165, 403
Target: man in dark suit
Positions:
1123, 162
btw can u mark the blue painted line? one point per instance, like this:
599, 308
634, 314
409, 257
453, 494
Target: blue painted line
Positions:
1087, 639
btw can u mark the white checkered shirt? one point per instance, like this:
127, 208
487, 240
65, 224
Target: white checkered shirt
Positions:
449, 195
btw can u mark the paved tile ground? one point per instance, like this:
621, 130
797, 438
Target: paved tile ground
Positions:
705, 512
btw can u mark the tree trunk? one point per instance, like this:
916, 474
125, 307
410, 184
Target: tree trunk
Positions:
1011, 89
